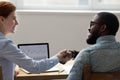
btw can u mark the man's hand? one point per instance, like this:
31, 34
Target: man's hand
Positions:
74, 53
64, 56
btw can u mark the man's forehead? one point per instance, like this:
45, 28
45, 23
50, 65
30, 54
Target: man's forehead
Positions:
95, 18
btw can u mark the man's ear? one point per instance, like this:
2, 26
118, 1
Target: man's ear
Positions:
1, 19
103, 28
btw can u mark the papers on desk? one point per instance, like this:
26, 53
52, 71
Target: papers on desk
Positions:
57, 68
68, 66
60, 67
25, 71
54, 69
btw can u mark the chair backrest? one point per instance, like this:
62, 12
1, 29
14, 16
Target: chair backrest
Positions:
89, 75
1, 78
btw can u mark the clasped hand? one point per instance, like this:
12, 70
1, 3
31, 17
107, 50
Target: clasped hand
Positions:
65, 55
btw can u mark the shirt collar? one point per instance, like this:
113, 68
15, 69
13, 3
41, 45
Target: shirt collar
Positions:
108, 38
1, 35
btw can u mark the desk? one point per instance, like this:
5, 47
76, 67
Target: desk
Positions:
46, 75
42, 76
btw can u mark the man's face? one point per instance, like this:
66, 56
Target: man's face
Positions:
94, 32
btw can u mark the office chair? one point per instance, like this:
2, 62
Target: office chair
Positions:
89, 75
1, 78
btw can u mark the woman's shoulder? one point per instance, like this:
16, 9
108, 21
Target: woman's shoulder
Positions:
4, 42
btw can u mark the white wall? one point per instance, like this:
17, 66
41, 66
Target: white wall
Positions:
60, 30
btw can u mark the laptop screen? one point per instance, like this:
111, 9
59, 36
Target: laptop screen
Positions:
36, 51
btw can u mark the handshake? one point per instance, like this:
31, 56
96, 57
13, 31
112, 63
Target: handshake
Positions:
66, 55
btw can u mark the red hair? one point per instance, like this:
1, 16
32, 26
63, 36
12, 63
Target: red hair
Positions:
6, 8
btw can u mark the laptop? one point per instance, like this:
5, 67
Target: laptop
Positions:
36, 51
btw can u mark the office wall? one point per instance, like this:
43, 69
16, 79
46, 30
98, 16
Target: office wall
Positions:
60, 30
